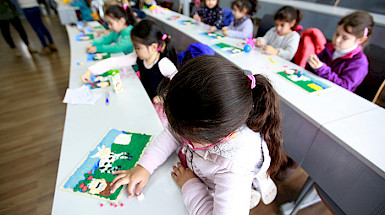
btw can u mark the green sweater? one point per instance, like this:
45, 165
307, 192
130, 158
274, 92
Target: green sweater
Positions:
122, 42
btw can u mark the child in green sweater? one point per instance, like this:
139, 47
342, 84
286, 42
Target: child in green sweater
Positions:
120, 21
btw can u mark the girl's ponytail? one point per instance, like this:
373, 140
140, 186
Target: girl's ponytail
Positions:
299, 17
166, 47
265, 118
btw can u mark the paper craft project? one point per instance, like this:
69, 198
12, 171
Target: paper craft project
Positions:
99, 81
118, 150
175, 17
228, 48
84, 37
98, 56
212, 35
187, 22
304, 81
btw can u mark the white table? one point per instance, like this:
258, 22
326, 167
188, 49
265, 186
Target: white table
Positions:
85, 125
305, 116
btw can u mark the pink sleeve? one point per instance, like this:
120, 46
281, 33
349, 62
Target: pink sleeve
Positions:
232, 195
158, 151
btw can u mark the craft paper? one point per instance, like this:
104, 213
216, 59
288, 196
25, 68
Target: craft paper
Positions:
118, 150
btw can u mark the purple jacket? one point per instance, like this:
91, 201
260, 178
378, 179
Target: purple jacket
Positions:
347, 71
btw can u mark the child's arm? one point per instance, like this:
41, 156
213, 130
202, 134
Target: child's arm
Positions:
351, 76
105, 39
244, 31
158, 151
167, 68
198, 13
123, 44
265, 40
232, 194
290, 47
112, 63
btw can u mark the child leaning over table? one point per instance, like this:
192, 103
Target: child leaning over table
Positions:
242, 26
154, 55
226, 124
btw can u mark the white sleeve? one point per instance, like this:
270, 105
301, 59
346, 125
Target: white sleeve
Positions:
167, 68
113, 63
270, 35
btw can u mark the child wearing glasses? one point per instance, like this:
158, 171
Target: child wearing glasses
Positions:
227, 126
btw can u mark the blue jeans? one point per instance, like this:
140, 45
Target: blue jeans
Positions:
33, 16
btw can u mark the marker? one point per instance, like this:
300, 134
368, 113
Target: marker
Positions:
271, 59
107, 96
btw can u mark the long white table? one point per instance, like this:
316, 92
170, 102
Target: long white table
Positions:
307, 118
85, 125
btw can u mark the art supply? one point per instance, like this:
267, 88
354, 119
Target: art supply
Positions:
115, 80
81, 95
118, 150
107, 98
271, 59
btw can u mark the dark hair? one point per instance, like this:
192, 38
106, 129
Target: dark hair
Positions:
118, 12
288, 14
250, 5
146, 32
358, 21
210, 97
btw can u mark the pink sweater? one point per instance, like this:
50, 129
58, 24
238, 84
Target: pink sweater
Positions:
225, 172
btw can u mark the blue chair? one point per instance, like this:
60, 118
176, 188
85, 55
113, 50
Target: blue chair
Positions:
228, 16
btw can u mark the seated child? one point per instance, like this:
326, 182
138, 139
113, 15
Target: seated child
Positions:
343, 61
84, 9
211, 14
120, 21
242, 26
282, 40
154, 55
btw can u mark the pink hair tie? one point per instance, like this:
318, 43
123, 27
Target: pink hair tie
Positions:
124, 6
252, 78
366, 31
164, 36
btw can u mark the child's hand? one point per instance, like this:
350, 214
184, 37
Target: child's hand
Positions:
157, 100
181, 175
138, 175
260, 42
197, 17
270, 50
212, 28
225, 31
88, 47
91, 50
86, 77
314, 62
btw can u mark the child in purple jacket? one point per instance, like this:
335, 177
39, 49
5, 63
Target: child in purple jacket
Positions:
343, 61
242, 26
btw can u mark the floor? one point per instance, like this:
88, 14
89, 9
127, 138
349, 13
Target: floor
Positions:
32, 119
